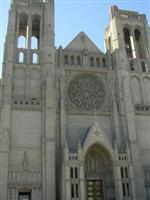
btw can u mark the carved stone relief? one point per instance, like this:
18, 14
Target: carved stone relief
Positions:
24, 178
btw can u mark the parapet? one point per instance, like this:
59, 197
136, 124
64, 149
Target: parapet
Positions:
27, 3
125, 14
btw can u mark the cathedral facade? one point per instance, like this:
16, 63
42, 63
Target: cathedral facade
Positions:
74, 121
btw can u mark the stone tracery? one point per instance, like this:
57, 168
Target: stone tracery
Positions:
87, 92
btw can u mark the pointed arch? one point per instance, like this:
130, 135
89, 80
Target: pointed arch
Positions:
104, 62
72, 60
35, 58
78, 60
127, 41
35, 38
97, 62
71, 173
144, 67
95, 135
23, 31
76, 172
139, 43
34, 42
100, 165
22, 41
92, 62
21, 57
66, 60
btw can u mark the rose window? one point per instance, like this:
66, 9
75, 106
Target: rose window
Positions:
86, 92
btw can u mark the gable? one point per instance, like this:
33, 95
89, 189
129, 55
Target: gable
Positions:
82, 41
95, 135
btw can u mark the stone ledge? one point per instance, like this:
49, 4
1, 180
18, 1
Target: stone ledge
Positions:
142, 109
26, 104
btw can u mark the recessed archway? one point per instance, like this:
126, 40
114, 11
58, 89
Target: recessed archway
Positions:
99, 174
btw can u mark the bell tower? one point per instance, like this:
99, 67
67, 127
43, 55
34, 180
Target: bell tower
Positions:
128, 31
34, 34
126, 39
28, 87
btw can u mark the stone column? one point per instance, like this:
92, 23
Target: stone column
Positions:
131, 132
82, 182
132, 183
33, 194
118, 183
5, 129
4, 153
9, 194
14, 195
49, 104
37, 194
28, 58
68, 184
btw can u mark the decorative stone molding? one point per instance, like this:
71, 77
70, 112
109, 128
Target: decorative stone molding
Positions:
5, 137
142, 109
86, 92
25, 162
27, 104
24, 176
96, 136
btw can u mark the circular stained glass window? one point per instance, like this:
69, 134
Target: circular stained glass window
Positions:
87, 92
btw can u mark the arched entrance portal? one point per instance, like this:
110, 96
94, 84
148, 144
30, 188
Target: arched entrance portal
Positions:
99, 174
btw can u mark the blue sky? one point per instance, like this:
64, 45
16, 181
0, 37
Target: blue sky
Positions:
73, 16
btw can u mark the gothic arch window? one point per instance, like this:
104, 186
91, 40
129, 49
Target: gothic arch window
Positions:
72, 60
122, 172
127, 40
72, 191
144, 66
126, 172
78, 60
92, 62
109, 44
21, 57
35, 58
35, 38
104, 62
97, 62
34, 42
138, 41
77, 190
132, 67
22, 41
66, 62
76, 172
71, 173
23, 31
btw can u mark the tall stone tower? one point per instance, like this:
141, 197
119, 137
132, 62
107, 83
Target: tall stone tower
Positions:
127, 43
27, 156
74, 121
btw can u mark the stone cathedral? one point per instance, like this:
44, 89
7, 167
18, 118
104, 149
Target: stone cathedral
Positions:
74, 121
